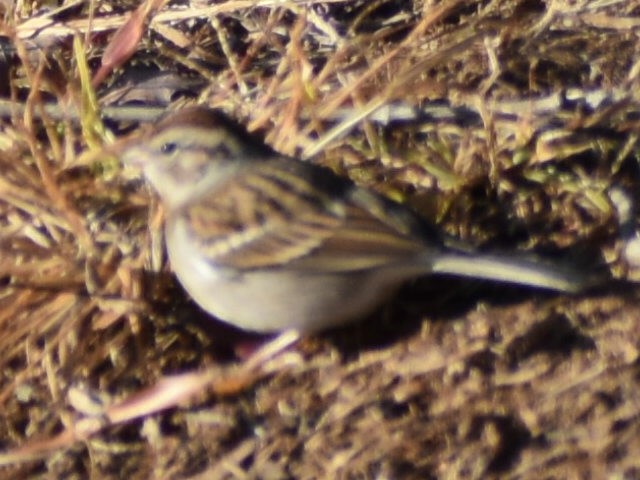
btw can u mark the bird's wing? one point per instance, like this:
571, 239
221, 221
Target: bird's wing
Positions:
300, 215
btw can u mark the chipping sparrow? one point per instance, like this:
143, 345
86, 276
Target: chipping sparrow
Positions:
267, 242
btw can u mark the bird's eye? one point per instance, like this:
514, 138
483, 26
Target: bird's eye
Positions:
168, 148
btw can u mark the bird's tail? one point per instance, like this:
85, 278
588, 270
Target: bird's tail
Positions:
503, 268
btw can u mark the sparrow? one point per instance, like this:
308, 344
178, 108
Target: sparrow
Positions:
267, 242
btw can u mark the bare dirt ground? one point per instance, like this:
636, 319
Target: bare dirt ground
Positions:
511, 124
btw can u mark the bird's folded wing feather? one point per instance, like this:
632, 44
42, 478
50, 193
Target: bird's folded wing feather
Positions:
271, 216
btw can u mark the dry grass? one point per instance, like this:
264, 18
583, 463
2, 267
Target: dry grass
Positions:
507, 122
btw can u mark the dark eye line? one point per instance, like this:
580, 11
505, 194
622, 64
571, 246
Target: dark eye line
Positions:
168, 148
219, 150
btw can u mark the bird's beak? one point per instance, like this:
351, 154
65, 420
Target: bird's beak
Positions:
130, 149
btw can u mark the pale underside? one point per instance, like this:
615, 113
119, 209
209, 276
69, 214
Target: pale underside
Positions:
341, 257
